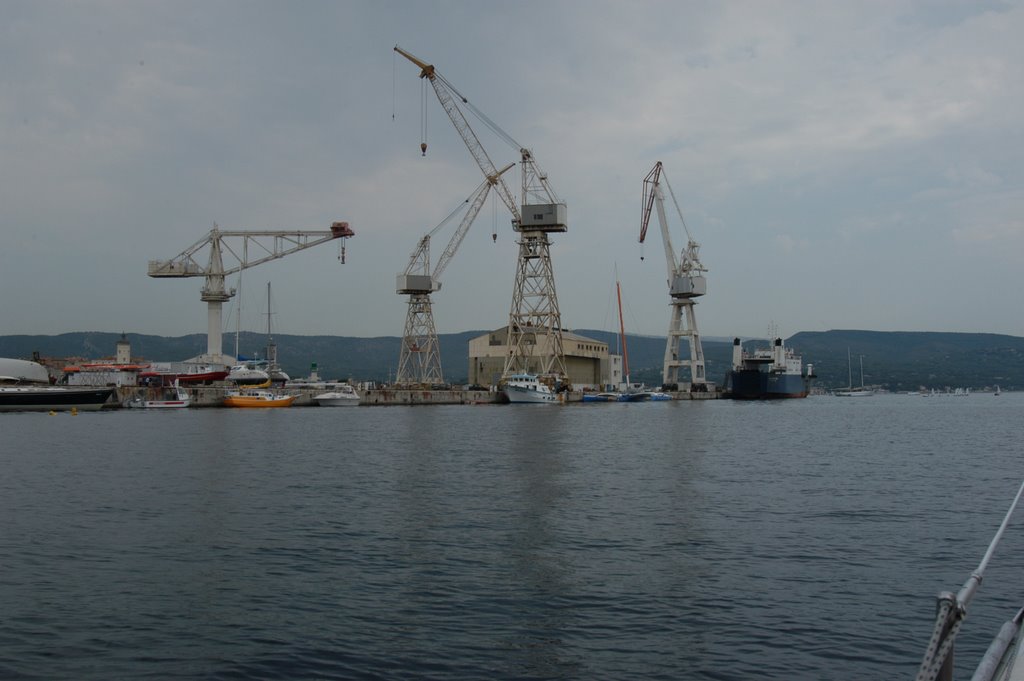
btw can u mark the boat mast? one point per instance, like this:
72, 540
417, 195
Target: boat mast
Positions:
849, 368
622, 335
238, 314
271, 345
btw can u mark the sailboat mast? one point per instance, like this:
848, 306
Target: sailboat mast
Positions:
849, 368
622, 335
268, 309
271, 345
238, 314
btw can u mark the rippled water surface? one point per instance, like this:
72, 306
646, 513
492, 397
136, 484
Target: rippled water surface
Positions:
720, 540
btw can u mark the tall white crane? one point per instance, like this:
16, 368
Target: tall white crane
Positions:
686, 281
419, 361
264, 246
534, 314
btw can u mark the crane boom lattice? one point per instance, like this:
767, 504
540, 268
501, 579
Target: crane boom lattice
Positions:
265, 245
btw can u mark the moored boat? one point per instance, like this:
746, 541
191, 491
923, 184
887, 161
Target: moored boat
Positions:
527, 389
25, 386
767, 373
249, 376
600, 397
850, 391
202, 373
173, 398
258, 399
53, 398
342, 396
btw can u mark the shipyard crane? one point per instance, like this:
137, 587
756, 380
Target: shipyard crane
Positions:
535, 322
248, 248
419, 361
686, 281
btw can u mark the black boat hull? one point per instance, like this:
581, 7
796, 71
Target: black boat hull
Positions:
54, 399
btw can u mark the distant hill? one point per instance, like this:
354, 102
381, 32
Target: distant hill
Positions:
893, 360
901, 360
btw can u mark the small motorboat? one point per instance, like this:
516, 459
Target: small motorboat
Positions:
258, 399
342, 396
177, 398
600, 397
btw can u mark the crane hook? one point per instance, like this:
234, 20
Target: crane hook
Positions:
423, 148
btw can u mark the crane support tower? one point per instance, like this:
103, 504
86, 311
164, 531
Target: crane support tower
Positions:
534, 310
248, 248
419, 361
686, 281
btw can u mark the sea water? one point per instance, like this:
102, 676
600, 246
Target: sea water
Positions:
804, 539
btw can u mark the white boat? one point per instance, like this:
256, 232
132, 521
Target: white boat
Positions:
245, 375
851, 391
274, 371
527, 388
343, 396
857, 392
174, 398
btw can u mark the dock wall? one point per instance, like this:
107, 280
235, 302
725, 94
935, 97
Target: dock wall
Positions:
213, 396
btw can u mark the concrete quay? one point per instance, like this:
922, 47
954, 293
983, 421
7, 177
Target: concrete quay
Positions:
213, 396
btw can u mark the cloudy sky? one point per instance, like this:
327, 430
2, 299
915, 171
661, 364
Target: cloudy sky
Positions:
844, 165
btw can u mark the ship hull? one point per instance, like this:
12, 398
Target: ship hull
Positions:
53, 399
761, 385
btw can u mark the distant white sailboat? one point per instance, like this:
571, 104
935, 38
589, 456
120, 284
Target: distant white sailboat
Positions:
851, 391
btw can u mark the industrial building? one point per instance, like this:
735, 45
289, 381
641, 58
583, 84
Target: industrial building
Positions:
587, 362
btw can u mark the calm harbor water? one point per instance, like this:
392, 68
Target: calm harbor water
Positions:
709, 540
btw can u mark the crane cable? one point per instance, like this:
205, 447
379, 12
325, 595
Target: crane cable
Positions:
481, 116
423, 117
671, 193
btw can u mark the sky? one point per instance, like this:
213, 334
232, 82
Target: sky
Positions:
843, 165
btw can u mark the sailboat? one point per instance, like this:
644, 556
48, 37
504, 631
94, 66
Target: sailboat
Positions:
630, 394
244, 374
851, 391
274, 371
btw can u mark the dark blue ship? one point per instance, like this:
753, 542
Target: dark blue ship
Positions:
767, 373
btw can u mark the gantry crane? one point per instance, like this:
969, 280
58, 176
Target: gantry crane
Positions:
419, 361
686, 281
266, 245
534, 314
